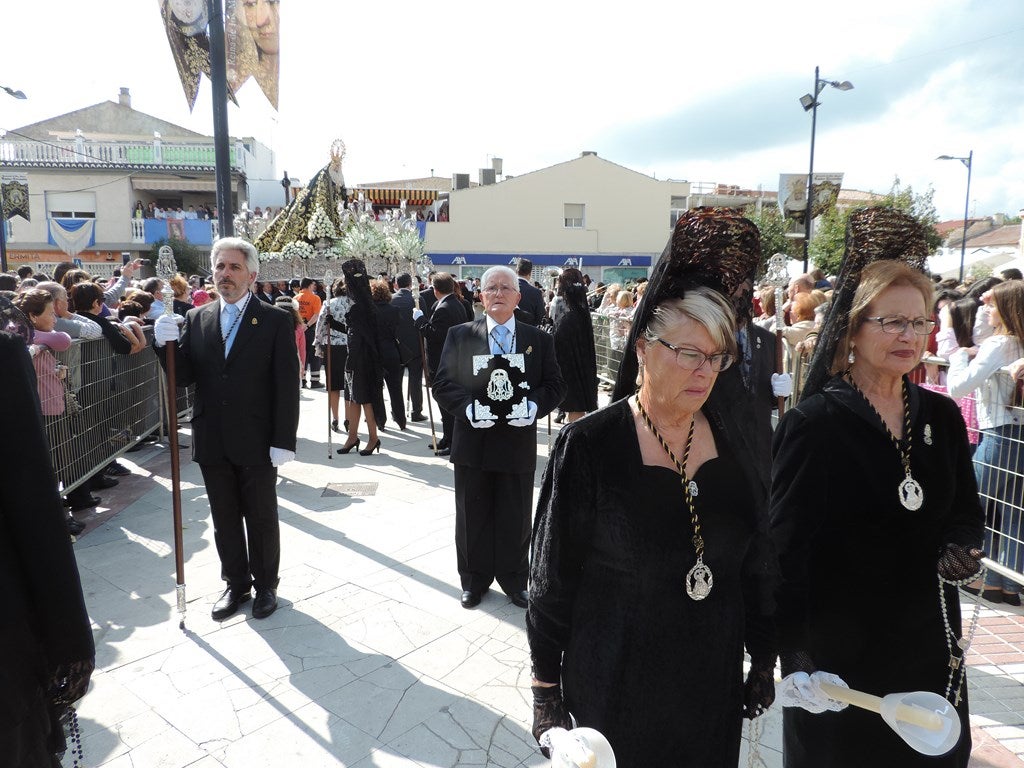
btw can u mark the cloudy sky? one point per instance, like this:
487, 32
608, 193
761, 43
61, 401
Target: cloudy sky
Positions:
698, 91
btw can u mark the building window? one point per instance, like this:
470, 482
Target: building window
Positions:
71, 205
573, 215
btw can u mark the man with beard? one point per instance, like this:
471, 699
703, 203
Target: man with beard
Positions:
240, 353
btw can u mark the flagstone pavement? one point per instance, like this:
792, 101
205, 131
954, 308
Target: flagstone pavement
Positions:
370, 659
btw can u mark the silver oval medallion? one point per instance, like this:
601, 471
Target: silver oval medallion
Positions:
911, 494
699, 581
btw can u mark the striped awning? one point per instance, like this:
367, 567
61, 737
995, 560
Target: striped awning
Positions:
414, 197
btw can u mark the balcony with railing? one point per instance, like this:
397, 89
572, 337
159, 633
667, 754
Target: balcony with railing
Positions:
151, 155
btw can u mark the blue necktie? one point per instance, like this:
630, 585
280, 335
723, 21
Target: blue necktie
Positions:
228, 324
500, 334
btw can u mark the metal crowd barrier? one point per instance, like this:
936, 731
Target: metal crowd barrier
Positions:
610, 334
120, 401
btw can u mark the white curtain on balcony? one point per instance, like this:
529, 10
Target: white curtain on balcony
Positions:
72, 235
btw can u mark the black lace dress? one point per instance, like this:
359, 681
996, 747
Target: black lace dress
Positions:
658, 673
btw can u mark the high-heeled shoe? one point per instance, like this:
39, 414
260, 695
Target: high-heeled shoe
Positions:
371, 448
348, 447
334, 426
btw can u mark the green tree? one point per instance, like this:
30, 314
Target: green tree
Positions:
828, 242
772, 227
189, 259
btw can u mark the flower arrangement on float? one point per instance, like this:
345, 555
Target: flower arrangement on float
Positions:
297, 249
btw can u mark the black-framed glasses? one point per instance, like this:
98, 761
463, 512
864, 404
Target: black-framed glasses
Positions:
494, 290
692, 359
895, 324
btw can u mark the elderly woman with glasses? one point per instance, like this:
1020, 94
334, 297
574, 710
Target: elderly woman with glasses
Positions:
648, 558
875, 512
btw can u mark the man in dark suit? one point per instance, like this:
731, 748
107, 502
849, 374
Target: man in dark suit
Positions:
409, 343
447, 312
747, 392
427, 297
240, 353
531, 301
495, 460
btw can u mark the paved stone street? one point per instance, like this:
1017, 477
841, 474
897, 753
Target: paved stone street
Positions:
370, 660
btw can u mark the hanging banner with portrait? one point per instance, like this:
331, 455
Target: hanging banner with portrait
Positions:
185, 22
14, 192
793, 194
253, 41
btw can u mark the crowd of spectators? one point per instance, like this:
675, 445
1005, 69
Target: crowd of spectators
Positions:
72, 304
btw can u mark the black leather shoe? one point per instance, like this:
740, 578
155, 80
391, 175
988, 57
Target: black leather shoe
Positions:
470, 599
315, 384
83, 503
100, 482
443, 452
116, 469
74, 526
417, 417
520, 599
228, 603
264, 604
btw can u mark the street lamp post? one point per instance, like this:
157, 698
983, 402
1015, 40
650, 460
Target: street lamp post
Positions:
810, 104
967, 204
3, 212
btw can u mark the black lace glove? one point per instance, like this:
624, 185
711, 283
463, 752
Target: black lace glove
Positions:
797, 661
758, 691
548, 712
958, 563
70, 682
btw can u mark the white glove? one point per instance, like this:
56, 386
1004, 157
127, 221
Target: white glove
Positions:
417, 313
802, 690
165, 329
279, 456
532, 417
782, 384
483, 424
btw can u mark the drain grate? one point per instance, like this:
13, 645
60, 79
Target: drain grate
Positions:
350, 489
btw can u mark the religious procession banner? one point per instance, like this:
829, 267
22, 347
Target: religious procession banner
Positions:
14, 193
793, 194
185, 22
72, 235
253, 42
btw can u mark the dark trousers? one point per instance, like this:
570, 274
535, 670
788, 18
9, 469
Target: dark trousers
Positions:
311, 359
415, 369
393, 379
492, 528
243, 503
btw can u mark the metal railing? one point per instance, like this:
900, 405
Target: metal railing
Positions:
81, 151
120, 400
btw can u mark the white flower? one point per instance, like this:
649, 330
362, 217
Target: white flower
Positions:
271, 256
320, 225
297, 248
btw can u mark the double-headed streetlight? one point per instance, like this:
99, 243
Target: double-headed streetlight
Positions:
810, 104
3, 212
967, 203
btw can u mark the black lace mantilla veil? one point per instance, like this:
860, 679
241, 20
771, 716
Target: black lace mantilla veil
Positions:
713, 247
13, 320
872, 234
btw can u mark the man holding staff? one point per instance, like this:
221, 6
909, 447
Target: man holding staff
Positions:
240, 354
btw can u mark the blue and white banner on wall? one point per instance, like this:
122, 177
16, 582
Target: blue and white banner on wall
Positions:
72, 235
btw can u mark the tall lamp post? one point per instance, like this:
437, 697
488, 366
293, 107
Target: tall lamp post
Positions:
3, 211
967, 204
810, 104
